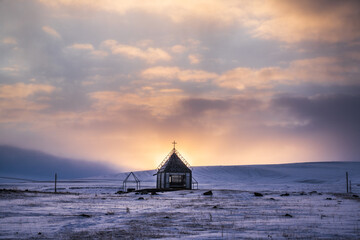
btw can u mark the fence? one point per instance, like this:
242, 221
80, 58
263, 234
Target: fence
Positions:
95, 185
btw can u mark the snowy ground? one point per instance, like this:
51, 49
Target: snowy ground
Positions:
93, 210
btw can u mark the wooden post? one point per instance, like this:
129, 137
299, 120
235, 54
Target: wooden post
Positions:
350, 186
55, 181
347, 182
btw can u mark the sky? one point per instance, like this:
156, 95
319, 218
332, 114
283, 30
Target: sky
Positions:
233, 82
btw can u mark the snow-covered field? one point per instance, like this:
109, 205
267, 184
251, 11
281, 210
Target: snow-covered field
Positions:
304, 200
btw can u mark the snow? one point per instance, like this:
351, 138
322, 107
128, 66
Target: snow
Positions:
91, 209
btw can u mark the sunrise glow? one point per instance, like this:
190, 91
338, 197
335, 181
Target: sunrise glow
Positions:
233, 82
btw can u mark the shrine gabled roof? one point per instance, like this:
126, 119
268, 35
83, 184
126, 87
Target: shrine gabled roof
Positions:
174, 163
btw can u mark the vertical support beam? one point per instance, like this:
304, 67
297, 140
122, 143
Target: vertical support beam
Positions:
55, 181
350, 186
347, 182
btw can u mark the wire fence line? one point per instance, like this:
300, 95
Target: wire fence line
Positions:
70, 185
62, 181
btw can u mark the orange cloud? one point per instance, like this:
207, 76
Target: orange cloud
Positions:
158, 103
22, 90
13, 70
284, 20
82, 46
178, 48
51, 31
295, 21
241, 78
177, 73
15, 105
9, 41
151, 55
194, 58
317, 70
219, 12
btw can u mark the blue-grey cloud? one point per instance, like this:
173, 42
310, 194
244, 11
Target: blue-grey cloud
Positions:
37, 165
198, 106
334, 116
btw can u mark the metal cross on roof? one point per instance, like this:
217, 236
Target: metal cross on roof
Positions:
174, 143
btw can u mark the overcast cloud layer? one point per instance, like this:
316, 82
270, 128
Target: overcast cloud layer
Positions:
234, 82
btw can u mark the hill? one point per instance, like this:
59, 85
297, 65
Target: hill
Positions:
328, 176
18, 162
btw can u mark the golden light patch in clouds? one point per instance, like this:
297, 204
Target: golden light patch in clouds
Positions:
284, 20
320, 70
150, 55
295, 21
51, 31
317, 70
12, 69
15, 105
132, 72
219, 12
82, 46
177, 73
9, 41
158, 103
194, 58
22, 90
241, 78
178, 48
171, 90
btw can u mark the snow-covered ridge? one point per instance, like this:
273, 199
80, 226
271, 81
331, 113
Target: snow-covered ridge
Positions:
277, 173
326, 174
318, 176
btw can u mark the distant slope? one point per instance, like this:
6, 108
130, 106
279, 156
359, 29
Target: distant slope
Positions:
316, 175
18, 162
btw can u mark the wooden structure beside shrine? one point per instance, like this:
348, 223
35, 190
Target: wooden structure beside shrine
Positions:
134, 180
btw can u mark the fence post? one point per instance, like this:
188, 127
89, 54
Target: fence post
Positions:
55, 181
350, 186
347, 182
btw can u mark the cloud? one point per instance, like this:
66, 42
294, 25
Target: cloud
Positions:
156, 103
295, 21
22, 90
112, 97
241, 78
9, 41
87, 47
178, 48
51, 31
355, 55
194, 58
82, 46
171, 90
285, 20
197, 107
177, 73
38, 165
321, 70
337, 111
218, 12
150, 55
12, 70
19, 101
334, 117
